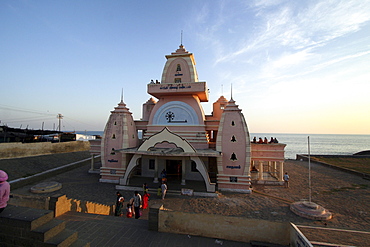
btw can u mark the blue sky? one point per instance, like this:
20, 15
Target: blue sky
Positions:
295, 66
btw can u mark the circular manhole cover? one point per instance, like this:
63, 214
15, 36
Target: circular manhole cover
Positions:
46, 187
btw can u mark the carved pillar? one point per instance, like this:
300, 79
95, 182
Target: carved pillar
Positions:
155, 170
281, 170
260, 173
183, 172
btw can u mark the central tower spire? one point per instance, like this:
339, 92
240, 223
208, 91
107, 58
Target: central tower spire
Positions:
181, 39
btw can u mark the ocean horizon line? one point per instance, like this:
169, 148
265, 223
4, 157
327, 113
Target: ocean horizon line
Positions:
255, 133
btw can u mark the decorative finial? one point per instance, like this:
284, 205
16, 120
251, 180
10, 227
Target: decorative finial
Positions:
122, 95
231, 91
181, 38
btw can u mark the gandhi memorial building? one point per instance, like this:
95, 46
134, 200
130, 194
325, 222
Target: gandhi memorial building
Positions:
175, 134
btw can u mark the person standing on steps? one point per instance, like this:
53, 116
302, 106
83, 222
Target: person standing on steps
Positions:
164, 175
286, 180
164, 189
146, 200
137, 204
119, 204
145, 188
129, 210
159, 191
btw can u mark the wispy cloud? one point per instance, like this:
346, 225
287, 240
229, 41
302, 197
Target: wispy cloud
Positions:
286, 26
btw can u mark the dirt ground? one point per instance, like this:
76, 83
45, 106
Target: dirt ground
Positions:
345, 195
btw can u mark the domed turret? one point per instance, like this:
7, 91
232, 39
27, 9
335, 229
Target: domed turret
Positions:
120, 132
147, 108
180, 67
218, 107
233, 142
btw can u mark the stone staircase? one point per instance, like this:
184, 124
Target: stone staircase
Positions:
22, 226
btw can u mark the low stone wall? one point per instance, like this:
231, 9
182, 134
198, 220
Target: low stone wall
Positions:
18, 149
226, 227
222, 227
38, 202
17, 183
304, 157
60, 204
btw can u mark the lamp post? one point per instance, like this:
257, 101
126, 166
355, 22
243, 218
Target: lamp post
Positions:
309, 171
60, 117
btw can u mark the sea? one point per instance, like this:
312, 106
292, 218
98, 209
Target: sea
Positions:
323, 144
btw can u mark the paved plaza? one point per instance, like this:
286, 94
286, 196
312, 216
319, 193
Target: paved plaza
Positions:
103, 230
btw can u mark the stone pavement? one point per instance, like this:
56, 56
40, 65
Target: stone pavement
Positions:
102, 230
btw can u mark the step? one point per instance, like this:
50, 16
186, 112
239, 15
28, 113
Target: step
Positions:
63, 239
48, 230
22, 217
264, 244
80, 243
41, 233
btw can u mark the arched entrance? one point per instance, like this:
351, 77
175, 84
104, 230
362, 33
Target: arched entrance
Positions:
174, 156
174, 169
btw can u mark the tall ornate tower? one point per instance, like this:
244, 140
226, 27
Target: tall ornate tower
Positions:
180, 138
119, 133
179, 95
234, 143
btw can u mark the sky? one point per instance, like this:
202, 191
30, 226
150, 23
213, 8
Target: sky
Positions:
294, 66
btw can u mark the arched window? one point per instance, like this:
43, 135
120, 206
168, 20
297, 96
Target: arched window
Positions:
233, 139
114, 136
113, 152
233, 157
178, 68
232, 123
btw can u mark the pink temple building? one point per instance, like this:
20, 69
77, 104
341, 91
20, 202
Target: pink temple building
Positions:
175, 134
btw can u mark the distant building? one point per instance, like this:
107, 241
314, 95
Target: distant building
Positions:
174, 134
9, 134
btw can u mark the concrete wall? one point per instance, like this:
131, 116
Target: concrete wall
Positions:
226, 227
20, 182
39, 202
18, 149
304, 157
223, 227
60, 204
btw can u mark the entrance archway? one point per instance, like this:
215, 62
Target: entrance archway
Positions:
148, 147
174, 169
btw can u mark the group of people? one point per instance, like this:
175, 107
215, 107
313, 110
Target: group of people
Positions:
133, 207
137, 202
265, 141
156, 82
